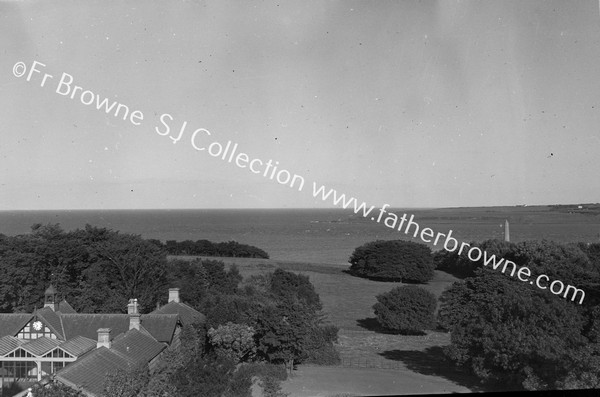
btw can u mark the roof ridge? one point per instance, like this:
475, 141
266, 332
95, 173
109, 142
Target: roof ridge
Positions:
62, 326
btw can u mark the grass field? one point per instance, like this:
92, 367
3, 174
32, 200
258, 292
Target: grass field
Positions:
348, 301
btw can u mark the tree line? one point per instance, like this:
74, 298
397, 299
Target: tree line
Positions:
231, 249
506, 332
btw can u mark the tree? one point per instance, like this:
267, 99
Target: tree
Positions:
127, 383
233, 341
408, 309
288, 285
97, 269
507, 331
209, 376
191, 278
282, 331
394, 260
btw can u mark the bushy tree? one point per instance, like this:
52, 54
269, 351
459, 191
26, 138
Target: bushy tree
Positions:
461, 266
129, 383
288, 285
206, 376
234, 341
408, 309
507, 331
393, 260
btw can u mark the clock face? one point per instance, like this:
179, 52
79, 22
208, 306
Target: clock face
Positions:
37, 325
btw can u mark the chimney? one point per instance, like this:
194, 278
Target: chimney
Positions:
506, 231
174, 295
103, 338
134, 315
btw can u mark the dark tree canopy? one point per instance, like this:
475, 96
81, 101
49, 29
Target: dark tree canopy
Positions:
394, 260
230, 249
288, 285
96, 269
507, 331
407, 309
573, 264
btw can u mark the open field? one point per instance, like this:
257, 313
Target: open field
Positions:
416, 361
309, 381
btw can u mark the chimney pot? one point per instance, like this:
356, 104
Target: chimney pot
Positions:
132, 306
103, 338
174, 295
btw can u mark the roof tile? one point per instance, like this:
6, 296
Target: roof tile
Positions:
40, 346
12, 323
138, 346
187, 314
9, 343
78, 345
90, 371
52, 320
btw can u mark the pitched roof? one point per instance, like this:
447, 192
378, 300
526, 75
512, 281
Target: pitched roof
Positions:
52, 320
161, 327
89, 372
65, 308
187, 314
138, 346
87, 324
12, 323
78, 345
9, 343
40, 346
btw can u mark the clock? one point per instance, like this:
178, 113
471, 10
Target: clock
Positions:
37, 325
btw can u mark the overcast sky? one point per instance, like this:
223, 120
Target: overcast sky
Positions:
410, 103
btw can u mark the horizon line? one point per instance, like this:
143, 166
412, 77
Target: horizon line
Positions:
286, 208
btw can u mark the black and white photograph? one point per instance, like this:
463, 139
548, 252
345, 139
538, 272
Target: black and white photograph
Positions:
320, 198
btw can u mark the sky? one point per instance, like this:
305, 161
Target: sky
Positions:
409, 103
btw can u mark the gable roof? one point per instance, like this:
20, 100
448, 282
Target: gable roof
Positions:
89, 372
40, 346
52, 320
78, 345
187, 314
9, 343
138, 346
12, 323
161, 327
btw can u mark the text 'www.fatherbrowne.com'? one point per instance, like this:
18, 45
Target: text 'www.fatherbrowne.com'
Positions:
230, 152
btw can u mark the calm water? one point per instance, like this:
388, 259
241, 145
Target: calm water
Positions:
315, 235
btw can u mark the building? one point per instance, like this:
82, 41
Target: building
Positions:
79, 349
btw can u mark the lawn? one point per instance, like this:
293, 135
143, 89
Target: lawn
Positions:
348, 302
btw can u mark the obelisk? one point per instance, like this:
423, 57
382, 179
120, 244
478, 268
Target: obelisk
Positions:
506, 231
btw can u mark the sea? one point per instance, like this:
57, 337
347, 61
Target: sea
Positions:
327, 236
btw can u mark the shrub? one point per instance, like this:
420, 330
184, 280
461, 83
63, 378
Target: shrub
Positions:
407, 309
393, 260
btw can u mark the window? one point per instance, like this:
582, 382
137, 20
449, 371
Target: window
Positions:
29, 332
20, 353
58, 353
